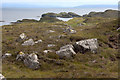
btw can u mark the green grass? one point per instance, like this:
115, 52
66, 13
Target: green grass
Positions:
80, 66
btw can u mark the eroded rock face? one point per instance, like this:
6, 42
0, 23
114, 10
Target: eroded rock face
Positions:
67, 52
31, 61
2, 77
86, 45
28, 42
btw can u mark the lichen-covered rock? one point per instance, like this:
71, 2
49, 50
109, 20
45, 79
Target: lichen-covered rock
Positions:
28, 42
31, 61
2, 77
72, 31
67, 52
20, 56
69, 30
86, 45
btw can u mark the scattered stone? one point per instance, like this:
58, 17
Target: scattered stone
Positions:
47, 51
85, 45
28, 42
7, 55
94, 61
69, 30
51, 45
23, 36
72, 31
68, 52
31, 61
62, 36
20, 56
118, 29
51, 31
80, 24
81, 29
2, 77
39, 41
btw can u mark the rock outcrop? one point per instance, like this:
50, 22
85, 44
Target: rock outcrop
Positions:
49, 15
61, 15
73, 14
49, 19
106, 14
86, 45
27, 20
64, 15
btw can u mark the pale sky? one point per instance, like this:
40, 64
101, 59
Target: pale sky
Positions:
82, 1
63, 3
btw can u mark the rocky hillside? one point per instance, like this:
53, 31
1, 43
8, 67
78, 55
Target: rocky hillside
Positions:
83, 47
106, 14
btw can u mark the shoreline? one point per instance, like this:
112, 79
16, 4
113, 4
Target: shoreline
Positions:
38, 18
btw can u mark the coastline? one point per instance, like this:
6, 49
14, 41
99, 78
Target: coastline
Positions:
7, 22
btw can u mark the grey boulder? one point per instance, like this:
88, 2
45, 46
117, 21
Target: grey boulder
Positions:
28, 42
23, 36
86, 45
67, 52
31, 61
